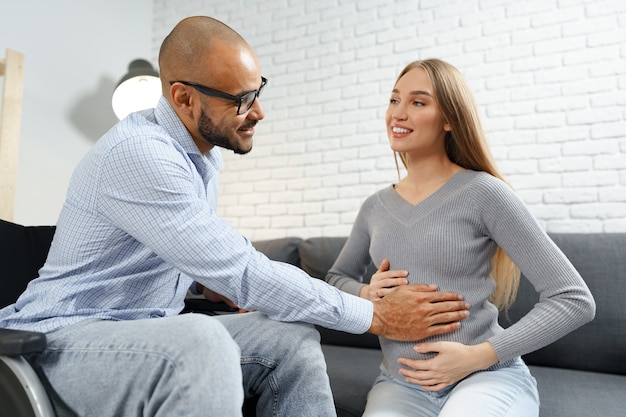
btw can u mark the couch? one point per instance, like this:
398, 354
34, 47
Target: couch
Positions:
581, 375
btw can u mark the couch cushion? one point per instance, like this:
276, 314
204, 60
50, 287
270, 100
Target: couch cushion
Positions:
282, 249
318, 254
600, 345
570, 393
352, 372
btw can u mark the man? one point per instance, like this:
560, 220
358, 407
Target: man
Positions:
139, 224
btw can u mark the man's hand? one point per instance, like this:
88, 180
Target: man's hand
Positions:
417, 311
217, 298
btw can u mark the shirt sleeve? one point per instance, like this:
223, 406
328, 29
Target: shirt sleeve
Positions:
565, 300
148, 190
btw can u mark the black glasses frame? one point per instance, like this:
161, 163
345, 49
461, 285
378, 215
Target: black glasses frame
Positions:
246, 98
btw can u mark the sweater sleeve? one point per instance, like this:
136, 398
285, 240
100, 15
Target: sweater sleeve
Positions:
565, 300
347, 273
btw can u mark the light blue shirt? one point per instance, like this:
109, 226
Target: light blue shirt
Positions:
139, 225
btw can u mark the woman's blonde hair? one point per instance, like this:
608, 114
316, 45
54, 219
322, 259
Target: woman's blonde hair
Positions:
466, 146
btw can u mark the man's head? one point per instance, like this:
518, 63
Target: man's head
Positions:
211, 77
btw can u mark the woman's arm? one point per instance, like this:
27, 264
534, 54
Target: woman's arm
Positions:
565, 301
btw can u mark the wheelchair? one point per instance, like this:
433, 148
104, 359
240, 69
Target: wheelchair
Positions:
23, 250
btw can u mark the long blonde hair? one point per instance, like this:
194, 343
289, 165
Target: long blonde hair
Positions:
466, 146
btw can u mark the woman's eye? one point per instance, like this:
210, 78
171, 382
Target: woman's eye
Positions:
418, 103
393, 101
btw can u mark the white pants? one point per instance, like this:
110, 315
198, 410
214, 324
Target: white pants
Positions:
505, 392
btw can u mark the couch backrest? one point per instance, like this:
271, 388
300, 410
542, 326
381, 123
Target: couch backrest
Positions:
282, 249
318, 254
601, 344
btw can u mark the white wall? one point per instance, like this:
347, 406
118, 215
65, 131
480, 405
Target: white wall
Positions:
549, 75
75, 52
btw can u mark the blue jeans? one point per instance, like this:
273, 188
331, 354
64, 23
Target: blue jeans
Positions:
187, 365
505, 392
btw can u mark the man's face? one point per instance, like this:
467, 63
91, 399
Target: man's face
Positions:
218, 123
218, 98
234, 136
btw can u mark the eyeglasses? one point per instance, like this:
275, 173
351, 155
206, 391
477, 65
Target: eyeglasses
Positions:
244, 101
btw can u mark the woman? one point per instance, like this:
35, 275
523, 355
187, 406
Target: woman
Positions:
452, 221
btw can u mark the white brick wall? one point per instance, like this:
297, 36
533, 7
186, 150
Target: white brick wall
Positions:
549, 76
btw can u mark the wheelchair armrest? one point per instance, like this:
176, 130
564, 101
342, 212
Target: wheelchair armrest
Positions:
20, 342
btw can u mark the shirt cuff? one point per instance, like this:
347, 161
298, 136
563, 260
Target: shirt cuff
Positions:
358, 314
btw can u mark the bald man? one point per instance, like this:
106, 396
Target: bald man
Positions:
139, 226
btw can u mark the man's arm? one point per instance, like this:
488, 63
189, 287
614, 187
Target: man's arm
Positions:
420, 313
415, 312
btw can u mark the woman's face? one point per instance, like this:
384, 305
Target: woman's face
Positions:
414, 121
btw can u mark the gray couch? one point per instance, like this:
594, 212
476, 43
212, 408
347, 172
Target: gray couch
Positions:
581, 375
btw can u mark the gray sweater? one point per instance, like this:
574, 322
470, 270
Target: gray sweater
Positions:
449, 239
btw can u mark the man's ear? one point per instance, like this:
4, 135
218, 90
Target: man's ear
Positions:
180, 99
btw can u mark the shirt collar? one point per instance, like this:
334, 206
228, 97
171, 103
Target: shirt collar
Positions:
169, 120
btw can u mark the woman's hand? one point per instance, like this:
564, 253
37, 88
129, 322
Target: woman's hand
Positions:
453, 362
383, 282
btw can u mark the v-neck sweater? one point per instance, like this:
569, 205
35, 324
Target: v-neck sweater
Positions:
449, 239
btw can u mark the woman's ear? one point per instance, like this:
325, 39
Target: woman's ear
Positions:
447, 127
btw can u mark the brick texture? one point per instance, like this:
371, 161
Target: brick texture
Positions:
549, 77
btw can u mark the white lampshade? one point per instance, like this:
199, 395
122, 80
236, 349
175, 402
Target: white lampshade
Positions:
138, 90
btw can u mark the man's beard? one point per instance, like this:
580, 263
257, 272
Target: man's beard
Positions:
214, 136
